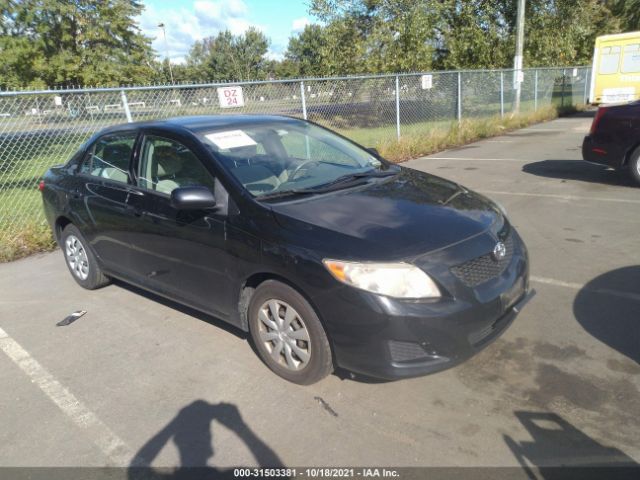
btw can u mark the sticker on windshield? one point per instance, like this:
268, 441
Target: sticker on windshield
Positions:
230, 139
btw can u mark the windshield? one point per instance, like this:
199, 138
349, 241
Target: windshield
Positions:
288, 156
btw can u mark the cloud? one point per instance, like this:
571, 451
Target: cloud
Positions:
299, 23
184, 26
273, 54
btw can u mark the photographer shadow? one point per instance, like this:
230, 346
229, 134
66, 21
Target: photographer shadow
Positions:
190, 431
558, 450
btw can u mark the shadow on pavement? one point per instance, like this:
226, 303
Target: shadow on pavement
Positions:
584, 114
579, 170
556, 444
190, 431
607, 307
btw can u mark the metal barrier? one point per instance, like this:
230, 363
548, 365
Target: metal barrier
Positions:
42, 128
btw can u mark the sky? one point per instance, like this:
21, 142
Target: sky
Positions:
189, 20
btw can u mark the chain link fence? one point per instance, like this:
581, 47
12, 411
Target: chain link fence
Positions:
39, 129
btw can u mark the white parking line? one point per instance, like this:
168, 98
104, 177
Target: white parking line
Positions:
533, 129
561, 197
579, 286
103, 437
473, 159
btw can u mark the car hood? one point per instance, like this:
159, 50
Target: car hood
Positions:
409, 214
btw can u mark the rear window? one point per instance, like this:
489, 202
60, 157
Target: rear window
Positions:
610, 59
631, 59
109, 157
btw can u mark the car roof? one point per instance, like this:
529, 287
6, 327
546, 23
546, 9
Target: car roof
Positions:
199, 123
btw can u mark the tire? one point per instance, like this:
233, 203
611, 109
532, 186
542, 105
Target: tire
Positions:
295, 346
80, 260
634, 166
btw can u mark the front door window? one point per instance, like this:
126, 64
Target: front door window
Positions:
166, 164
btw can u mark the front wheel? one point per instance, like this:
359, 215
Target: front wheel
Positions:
634, 165
288, 334
80, 259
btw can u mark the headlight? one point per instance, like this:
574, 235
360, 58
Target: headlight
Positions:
400, 280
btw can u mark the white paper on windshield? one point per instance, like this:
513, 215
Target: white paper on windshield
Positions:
230, 139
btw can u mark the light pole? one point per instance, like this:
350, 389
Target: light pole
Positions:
517, 60
166, 49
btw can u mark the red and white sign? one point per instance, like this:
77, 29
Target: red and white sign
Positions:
230, 97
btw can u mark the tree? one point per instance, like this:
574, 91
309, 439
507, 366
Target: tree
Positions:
474, 34
405, 35
72, 42
308, 51
230, 57
628, 11
564, 32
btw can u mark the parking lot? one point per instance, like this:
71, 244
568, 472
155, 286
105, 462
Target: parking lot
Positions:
139, 380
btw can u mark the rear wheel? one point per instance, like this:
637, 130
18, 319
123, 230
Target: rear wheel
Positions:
634, 165
288, 334
80, 259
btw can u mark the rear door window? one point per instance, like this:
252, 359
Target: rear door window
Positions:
109, 157
610, 60
631, 59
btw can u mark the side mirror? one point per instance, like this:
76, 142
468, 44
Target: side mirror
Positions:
374, 151
192, 198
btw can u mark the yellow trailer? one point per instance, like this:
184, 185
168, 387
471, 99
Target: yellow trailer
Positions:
615, 76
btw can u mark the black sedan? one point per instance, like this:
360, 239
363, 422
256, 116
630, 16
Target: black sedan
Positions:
328, 255
614, 139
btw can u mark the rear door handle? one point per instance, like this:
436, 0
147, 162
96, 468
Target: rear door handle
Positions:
137, 211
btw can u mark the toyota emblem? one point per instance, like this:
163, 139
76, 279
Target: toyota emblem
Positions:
499, 251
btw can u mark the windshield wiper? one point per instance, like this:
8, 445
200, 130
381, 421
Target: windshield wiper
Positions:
351, 177
285, 193
343, 181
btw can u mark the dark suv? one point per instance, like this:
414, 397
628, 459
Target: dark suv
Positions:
324, 252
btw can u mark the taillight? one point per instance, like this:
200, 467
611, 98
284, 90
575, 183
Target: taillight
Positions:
41, 185
596, 120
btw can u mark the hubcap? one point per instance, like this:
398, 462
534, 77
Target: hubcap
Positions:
284, 334
77, 257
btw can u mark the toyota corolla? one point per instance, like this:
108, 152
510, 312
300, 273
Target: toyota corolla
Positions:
327, 254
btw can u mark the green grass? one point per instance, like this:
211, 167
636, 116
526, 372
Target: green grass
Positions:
23, 229
419, 142
31, 237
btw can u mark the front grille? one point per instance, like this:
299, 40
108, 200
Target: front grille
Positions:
482, 269
406, 351
488, 332
477, 337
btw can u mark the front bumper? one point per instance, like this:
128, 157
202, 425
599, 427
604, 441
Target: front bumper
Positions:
391, 339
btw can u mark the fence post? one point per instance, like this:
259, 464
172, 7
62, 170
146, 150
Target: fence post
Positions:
303, 96
304, 101
398, 107
586, 84
535, 91
459, 97
501, 94
125, 104
564, 75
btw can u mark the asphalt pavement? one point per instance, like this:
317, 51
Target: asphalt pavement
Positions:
139, 380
